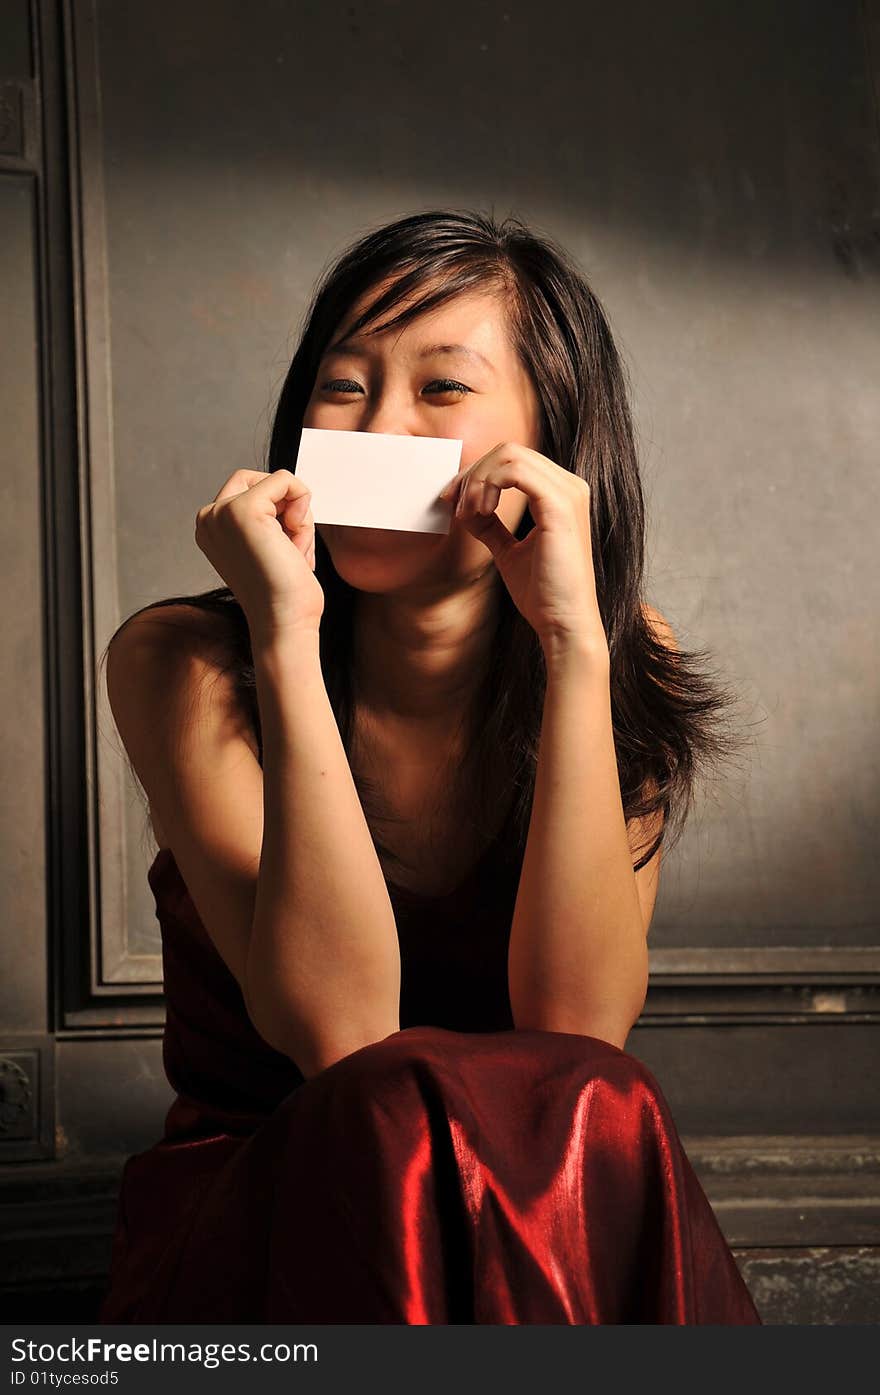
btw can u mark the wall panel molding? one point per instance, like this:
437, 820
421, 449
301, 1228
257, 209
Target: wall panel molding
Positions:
121, 987
117, 976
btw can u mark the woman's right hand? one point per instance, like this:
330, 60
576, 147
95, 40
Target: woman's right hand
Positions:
259, 535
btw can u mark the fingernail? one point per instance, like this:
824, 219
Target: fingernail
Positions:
448, 488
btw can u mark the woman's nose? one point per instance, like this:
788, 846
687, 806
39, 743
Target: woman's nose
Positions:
385, 415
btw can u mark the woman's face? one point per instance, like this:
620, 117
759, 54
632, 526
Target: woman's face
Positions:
400, 381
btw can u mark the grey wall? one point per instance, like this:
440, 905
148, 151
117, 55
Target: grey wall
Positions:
183, 175
715, 171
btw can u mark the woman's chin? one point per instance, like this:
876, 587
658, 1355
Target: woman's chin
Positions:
380, 559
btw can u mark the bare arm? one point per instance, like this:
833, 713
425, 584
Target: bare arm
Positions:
323, 964
578, 959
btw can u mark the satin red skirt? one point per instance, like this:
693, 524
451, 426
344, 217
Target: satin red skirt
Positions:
433, 1177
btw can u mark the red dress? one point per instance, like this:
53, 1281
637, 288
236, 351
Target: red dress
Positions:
458, 1171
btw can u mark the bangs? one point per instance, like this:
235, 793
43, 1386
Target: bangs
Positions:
440, 285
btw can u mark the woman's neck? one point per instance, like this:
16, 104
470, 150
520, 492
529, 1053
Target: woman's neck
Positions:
420, 665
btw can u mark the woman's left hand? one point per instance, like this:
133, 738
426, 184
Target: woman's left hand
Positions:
549, 573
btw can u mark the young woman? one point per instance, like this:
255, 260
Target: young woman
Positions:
409, 792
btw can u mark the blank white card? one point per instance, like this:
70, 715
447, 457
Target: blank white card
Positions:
373, 479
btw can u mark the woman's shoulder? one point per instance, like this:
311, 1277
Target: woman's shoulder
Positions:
180, 651
177, 628
175, 664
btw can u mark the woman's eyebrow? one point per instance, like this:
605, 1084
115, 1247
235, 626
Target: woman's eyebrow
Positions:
359, 351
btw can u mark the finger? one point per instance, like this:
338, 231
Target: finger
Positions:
481, 497
275, 485
489, 530
298, 523
490, 499
237, 483
469, 494
461, 496
548, 496
298, 511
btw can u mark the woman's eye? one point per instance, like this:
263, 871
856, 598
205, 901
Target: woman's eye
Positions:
439, 385
448, 385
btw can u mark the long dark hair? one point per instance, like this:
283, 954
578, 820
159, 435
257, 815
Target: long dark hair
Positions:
669, 709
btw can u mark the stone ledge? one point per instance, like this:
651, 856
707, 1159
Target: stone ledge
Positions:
801, 1214
798, 1191
816, 1286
